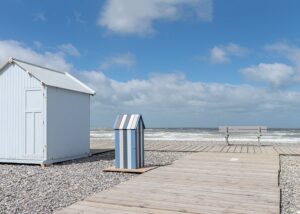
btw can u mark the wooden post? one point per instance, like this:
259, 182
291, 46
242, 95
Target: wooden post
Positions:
227, 136
259, 135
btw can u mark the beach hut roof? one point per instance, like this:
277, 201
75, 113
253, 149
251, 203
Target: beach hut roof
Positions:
51, 77
128, 121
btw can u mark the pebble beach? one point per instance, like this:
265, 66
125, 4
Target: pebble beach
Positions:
290, 184
33, 189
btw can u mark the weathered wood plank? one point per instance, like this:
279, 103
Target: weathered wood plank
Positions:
205, 182
238, 149
244, 149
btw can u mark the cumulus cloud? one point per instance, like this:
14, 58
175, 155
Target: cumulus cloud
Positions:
38, 44
290, 52
121, 60
172, 99
137, 16
19, 50
222, 54
276, 74
163, 95
69, 49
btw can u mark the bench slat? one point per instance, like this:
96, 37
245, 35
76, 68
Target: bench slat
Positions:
245, 131
259, 130
263, 129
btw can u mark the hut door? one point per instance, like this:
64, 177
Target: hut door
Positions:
34, 123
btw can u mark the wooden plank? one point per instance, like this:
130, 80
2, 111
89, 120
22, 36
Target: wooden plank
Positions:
275, 149
216, 148
280, 150
244, 129
251, 149
205, 182
193, 148
169, 196
162, 147
196, 204
91, 207
268, 150
100, 151
289, 150
286, 150
178, 206
222, 148
244, 149
257, 149
198, 148
208, 148
238, 149
203, 148
231, 149
295, 150
136, 171
225, 149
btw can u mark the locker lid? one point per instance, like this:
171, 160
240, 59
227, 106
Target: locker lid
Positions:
128, 121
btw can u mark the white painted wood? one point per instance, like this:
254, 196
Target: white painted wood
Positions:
258, 130
34, 123
68, 123
13, 84
130, 121
39, 123
121, 148
129, 158
244, 129
54, 78
123, 121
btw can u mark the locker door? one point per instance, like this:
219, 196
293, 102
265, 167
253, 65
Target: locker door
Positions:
34, 124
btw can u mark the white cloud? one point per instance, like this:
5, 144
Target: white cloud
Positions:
69, 49
172, 95
38, 44
276, 74
218, 55
40, 16
137, 16
171, 99
19, 50
124, 60
222, 54
290, 52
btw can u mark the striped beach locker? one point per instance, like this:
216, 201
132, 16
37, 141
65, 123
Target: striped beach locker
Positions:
129, 141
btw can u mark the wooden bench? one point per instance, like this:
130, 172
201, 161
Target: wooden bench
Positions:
258, 130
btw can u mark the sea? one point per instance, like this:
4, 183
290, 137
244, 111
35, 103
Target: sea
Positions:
205, 135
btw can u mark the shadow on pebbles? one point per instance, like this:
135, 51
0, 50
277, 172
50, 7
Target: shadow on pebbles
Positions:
33, 189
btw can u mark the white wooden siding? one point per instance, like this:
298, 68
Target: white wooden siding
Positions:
13, 84
68, 124
39, 123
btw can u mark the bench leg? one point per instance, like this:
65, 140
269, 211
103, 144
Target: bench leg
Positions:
226, 139
258, 138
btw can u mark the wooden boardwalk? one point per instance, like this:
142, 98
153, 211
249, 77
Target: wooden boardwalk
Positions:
282, 149
198, 183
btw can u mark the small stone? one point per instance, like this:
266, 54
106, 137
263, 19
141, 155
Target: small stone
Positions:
33, 189
290, 184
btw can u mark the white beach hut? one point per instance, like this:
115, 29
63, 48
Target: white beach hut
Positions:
44, 114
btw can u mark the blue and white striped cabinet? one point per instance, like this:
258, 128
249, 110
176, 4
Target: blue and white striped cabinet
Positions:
129, 141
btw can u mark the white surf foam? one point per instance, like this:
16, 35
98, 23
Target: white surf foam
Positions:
206, 135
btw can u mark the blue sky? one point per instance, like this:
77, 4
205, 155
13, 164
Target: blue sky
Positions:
181, 63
